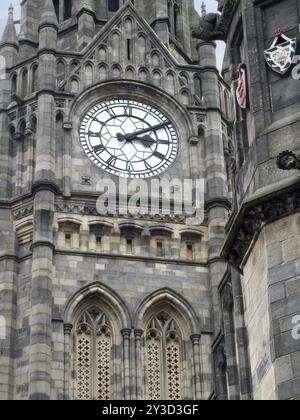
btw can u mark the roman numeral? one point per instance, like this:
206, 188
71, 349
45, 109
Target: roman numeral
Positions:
111, 161
93, 134
129, 167
128, 111
159, 155
163, 141
100, 122
99, 148
111, 113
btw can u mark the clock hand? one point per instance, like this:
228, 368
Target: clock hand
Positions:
144, 131
146, 140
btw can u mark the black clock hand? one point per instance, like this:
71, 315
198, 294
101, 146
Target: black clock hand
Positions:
147, 141
144, 131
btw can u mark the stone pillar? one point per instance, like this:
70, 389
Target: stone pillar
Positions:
9, 48
44, 190
241, 337
41, 294
67, 159
19, 139
126, 333
86, 22
30, 13
176, 245
138, 334
216, 192
197, 369
157, 16
67, 360
8, 304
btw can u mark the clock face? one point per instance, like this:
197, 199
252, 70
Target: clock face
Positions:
129, 138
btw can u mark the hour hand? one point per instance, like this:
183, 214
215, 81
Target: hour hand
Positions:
146, 141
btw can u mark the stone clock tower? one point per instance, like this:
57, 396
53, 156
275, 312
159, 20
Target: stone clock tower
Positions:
112, 306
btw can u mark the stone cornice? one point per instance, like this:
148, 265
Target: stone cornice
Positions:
253, 215
150, 259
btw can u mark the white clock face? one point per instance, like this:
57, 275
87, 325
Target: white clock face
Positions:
129, 138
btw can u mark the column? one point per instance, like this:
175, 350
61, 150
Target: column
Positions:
126, 333
67, 360
138, 334
197, 369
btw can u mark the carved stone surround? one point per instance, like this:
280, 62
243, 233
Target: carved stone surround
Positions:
253, 216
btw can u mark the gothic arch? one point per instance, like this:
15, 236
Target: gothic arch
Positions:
105, 296
96, 334
170, 331
168, 299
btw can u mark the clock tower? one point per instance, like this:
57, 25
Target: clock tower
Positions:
117, 305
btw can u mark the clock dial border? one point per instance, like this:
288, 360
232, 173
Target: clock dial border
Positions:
140, 157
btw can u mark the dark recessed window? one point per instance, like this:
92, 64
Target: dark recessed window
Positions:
67, 9
160, 249
113, 5
129, 243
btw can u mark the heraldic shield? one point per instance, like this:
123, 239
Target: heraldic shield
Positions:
281, 54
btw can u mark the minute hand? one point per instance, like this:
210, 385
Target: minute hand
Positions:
146, 130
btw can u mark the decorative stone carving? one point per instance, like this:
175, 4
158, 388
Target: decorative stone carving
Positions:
209, 28
252, 218
288, 160
214, 26
23, 212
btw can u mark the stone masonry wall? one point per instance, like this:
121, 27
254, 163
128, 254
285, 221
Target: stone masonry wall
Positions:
272, 297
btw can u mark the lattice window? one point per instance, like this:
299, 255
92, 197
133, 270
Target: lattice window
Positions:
93, 356
163, 359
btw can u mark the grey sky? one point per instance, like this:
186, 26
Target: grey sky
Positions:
4, 4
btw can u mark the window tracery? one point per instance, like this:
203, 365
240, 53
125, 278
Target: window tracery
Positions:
93, 356
163, 359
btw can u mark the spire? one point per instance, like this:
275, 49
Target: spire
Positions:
203, 9
10, 35
48, 14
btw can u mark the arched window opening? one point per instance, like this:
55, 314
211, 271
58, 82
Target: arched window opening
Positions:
14, 84
176, 20
163, 359
93, 356
67, 9
60, 72
34, 79
24, 83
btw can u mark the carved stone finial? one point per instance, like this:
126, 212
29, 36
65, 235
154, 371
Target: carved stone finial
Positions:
203, 9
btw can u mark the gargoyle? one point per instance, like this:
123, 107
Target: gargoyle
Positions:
209, 28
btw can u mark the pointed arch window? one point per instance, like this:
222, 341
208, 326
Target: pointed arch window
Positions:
163, 359
93, 356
